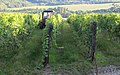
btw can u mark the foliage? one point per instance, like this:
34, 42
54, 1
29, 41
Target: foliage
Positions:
106, 23
15, 28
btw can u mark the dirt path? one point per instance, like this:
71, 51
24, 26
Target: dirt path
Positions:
47, 70
109, 70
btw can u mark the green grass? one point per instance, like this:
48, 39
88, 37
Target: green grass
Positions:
108, 51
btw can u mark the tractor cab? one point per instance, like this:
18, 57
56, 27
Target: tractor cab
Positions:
45, 15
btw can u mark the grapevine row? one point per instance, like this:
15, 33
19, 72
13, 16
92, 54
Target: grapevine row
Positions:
49, 35
15, 28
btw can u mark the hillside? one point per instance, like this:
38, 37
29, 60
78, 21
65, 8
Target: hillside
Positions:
23, 3
13, 3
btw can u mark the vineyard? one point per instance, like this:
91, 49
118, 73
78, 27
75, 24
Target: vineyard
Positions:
69, 46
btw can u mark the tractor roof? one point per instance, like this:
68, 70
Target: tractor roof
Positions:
48, 11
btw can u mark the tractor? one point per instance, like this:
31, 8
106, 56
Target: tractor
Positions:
45, 15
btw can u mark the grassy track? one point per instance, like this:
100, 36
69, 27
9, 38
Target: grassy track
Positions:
67, 60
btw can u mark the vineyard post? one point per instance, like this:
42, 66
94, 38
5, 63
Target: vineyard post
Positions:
46, 59
94, 31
